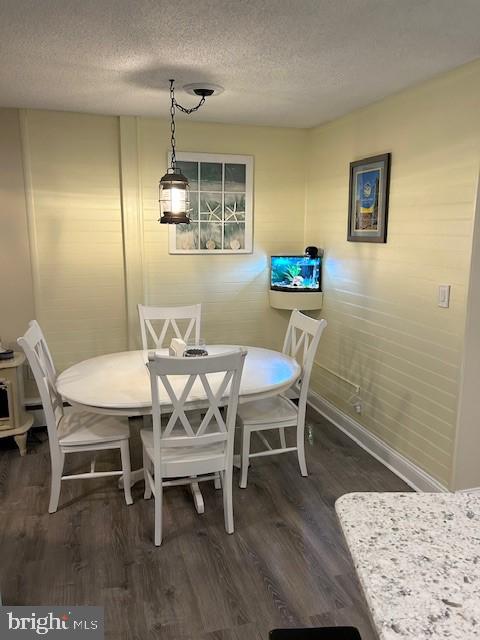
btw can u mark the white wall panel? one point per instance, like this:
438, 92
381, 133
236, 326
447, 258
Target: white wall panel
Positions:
386, 332
77, 245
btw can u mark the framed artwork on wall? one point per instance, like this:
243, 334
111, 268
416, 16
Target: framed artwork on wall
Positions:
368, 199
221, 205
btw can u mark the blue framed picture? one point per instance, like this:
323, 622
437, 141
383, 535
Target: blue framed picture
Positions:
368, 199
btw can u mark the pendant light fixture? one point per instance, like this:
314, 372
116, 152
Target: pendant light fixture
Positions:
174, 192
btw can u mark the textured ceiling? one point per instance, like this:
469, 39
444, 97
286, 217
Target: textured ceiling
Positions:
282, 62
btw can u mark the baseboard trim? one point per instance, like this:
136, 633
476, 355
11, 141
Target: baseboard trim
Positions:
409, 472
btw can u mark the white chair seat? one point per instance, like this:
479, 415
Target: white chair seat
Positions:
273, 410
173, 458
83, 428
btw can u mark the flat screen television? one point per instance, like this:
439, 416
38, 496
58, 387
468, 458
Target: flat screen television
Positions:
295, 273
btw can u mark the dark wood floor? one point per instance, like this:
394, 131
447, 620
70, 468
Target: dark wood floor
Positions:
286, 564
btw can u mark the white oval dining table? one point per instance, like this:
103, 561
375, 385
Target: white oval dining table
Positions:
119, 383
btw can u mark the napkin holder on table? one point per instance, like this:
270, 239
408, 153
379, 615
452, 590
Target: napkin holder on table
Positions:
177, 347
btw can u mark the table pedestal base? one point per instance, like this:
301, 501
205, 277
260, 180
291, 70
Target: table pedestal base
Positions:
137, 475
197, 497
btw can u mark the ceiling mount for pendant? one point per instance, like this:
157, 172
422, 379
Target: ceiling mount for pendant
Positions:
174, 192
203, 89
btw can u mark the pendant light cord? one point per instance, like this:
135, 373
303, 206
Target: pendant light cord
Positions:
175, 105
172, 124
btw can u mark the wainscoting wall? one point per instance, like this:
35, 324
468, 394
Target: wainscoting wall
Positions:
386, 332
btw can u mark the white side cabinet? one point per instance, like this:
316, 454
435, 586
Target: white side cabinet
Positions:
14, 420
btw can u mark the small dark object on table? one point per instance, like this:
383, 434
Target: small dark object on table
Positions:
8, 354
195, 353
321, 633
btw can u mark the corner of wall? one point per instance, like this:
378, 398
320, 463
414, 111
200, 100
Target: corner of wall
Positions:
16, 286
465, 468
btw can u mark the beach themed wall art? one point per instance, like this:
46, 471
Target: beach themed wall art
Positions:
221, 205
368, 199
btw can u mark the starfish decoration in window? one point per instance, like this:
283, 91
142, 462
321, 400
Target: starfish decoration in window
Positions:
233, 212
213, 212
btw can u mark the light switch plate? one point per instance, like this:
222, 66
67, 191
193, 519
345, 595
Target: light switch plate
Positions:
444, 296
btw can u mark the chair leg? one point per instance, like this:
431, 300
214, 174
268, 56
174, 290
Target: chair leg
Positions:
56, 482
217, 482
283, 440
301, 450
21, 442
158, 511
228, 500
146, 467
245, 457
127, 481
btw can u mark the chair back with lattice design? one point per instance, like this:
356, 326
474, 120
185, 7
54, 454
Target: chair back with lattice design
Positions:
45, 355
301, 342
170, 320
212, 382
38, 355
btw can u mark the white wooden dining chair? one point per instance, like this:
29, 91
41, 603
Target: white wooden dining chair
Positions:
279, 412
169, 317
185, 450
76, 431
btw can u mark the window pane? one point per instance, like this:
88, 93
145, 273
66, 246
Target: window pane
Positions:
211, 204
235, 177
210, 236
234, 206
190, 171
187, 236
234, 236
193, 211
210, 176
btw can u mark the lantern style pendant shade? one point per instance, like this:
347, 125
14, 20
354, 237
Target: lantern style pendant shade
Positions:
174, 193
174, 198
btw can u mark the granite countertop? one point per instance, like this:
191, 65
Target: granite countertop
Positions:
417, 556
